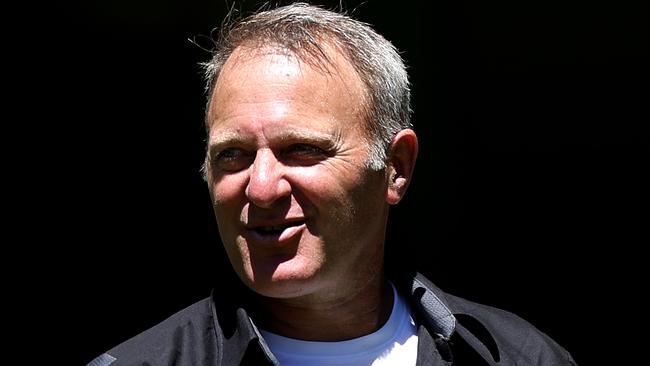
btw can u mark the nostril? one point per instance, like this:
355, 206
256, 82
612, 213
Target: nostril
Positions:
265, 178
264, 190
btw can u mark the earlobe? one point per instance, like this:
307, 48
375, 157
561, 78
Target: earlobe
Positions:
403, 154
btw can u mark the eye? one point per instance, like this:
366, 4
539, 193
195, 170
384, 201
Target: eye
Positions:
304, 154
305, 149
232, 159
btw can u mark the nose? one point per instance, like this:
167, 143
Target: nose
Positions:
266, 184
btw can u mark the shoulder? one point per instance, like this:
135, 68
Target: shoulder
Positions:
492, 332
163, 344
507, 335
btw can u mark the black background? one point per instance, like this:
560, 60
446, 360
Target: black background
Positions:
528, 194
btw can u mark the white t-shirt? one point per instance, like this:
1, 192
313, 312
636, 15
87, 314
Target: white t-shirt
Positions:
395, 343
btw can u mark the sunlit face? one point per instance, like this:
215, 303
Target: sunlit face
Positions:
299, 212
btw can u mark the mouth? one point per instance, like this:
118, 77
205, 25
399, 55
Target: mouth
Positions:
276, 232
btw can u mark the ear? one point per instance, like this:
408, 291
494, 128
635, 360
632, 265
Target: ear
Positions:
401, 162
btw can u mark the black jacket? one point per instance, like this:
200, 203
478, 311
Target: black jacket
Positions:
451, 331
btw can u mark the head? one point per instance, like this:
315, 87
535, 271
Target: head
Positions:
309, 143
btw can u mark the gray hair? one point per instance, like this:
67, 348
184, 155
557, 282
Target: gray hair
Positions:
300, 29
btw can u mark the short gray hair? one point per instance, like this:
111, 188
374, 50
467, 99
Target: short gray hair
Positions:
300, 29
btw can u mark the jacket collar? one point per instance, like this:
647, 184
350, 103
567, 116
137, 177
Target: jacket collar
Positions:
237, 336
428, 303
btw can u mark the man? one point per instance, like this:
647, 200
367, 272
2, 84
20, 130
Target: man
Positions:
309, 144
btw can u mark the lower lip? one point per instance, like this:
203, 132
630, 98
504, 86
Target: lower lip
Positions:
284, 236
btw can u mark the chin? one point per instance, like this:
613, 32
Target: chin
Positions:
283, 282
280, 291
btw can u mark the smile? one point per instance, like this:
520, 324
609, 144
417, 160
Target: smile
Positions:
275, 233
275, 229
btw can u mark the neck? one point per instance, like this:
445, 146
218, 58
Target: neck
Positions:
351, 316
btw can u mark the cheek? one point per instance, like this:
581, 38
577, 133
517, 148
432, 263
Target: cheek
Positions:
227, 191
228, 200
329, 182
356, 204
326, 194
333, 197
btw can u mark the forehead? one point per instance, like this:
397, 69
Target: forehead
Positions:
254, 75
327, 60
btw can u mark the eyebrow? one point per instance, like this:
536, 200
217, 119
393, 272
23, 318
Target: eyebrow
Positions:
316, 137
231, 138
225, 138
220, 141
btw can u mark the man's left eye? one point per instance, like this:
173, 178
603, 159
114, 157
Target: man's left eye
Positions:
305, 149
304, 152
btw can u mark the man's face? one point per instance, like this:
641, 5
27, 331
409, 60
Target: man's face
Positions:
298, 211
